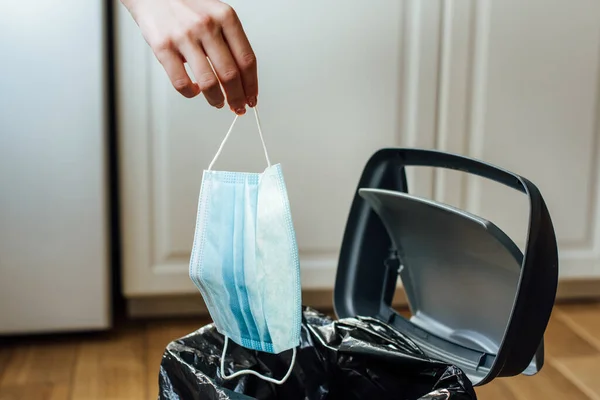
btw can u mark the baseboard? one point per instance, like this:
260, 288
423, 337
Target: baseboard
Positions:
578, 289
193, 305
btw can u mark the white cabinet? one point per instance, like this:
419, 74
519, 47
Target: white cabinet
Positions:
518, 87
54, 216
509, 83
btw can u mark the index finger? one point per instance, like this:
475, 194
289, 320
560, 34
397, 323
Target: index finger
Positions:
242, 52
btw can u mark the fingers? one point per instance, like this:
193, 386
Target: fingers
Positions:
210, 38
173, 65
205, 77
227, 71
242, 53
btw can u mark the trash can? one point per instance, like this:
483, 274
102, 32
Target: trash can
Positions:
479, 305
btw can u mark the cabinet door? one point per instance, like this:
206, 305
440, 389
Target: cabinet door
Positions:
519, 88
54, 247
331, 93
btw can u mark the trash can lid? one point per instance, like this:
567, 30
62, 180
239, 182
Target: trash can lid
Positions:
476, 300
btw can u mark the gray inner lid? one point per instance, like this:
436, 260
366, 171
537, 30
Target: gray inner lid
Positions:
460, 272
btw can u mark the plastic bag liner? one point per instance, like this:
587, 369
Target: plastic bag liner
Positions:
352, 358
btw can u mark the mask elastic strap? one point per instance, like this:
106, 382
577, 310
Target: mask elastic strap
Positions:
250, 372
229, 132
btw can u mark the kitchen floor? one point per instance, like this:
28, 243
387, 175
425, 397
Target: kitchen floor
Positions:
124, 364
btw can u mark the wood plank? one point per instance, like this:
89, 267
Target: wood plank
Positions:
5, 356
41, 362
584, 319
112, 367
38, 369
548, 384
561, 341
38, 391
495, 390
158, 336
404, 311
583, 372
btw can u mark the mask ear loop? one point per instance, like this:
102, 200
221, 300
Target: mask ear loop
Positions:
262, 140
251, 372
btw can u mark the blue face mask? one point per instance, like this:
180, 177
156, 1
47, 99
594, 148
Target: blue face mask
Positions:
245, 259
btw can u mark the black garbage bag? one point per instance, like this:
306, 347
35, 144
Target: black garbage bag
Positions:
352, 358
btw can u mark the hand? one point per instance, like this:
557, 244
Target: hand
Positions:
196, 31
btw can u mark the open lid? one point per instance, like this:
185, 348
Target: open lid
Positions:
477, 301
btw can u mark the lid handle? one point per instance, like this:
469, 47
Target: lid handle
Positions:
432, 158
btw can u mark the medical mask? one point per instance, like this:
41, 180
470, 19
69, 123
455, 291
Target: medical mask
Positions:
245, 260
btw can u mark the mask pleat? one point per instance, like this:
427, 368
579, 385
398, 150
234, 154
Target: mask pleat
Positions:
217, 253
246, 239
233, 273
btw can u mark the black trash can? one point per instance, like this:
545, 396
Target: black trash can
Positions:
479, 305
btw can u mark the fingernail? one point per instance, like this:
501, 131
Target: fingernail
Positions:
221, 105
189, 92
240, 111
251, 101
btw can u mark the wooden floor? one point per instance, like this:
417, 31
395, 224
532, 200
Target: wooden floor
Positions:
124, 364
